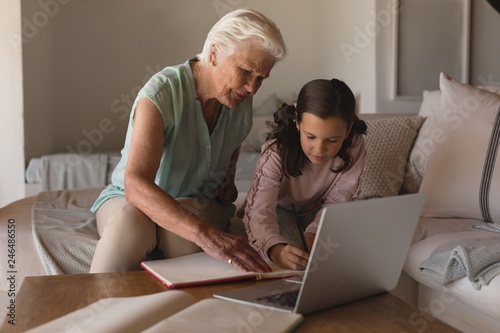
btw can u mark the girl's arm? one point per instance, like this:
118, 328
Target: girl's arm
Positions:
261, 220
260, 217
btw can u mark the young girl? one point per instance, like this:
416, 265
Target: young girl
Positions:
314, 157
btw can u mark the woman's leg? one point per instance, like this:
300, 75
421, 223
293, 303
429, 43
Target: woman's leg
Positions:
173, 245
127, 235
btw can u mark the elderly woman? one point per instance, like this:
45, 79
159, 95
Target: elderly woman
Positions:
176, 174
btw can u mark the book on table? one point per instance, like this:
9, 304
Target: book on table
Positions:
171, 311
200, 269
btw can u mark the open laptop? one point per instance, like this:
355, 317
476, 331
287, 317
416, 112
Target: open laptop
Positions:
359, 251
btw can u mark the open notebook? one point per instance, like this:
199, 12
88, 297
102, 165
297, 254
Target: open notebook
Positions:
200, 269
170, 311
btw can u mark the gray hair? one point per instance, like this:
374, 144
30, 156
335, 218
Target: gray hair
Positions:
239, 26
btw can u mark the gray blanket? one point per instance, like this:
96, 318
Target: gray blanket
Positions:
476, 258
64, 230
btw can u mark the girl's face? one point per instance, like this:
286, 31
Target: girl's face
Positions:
321, 139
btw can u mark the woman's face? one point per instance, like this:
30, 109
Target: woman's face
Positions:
240, 75
321, 139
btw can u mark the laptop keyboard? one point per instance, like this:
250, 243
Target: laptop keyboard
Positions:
287, 298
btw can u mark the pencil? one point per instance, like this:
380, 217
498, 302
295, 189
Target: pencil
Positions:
299, 226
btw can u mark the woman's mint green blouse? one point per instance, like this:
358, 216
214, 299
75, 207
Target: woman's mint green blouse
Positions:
193, 163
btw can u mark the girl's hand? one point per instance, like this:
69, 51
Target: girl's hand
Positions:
288, 256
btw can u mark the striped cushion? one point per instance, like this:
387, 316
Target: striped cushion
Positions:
462, 176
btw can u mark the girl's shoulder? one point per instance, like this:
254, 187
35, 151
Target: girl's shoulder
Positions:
271, 145
269, 156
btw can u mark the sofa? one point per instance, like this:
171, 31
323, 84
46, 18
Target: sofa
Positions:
447, 150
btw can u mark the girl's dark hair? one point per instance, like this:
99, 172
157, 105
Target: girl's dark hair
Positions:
322, 98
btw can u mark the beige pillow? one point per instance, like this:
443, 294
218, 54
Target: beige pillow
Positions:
388, 144
462, 175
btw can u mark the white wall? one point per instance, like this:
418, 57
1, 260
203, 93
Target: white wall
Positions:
11, 95
344, 34
39, 113
485, 44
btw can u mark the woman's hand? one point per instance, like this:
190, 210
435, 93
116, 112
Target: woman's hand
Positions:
224, 246
288, 256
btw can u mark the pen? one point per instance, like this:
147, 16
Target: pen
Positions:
299, 226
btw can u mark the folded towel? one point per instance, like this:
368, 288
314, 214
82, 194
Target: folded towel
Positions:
476, 258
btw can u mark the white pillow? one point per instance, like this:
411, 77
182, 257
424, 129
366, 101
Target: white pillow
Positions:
462, 175
388, 143
423, 143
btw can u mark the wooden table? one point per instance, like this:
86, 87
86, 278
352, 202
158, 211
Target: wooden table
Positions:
43, 298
